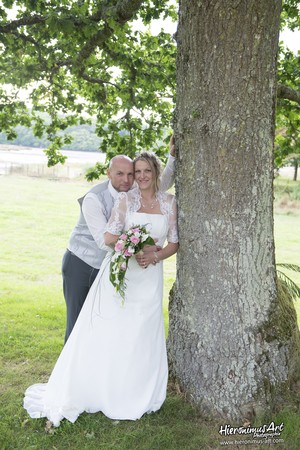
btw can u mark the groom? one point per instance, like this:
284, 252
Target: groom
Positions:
86, 249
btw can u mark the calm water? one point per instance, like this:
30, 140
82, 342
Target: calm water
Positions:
33, 162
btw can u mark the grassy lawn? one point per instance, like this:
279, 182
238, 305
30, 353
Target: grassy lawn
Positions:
37, 216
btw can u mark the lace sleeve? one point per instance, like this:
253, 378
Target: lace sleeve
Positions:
116, 222
168, 175
173, 230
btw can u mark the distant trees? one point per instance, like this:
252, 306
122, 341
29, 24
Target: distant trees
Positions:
83, 137
287, 141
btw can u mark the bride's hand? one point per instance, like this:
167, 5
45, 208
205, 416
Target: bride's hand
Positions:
149, 255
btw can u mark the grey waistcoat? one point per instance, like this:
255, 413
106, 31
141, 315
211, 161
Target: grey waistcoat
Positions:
81, 242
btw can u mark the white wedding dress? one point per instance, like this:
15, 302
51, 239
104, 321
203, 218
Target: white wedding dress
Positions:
115, 358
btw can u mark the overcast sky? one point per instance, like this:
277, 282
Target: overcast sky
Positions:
291, 39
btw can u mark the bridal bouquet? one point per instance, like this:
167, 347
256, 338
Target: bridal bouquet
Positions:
130, 243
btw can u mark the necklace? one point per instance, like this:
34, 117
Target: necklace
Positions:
151, 205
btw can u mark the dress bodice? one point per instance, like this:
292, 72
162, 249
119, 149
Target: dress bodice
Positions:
125, 214
156, 224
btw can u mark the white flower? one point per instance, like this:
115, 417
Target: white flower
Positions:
144, 237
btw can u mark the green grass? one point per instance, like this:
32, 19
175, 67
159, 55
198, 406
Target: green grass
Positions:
37, 216
286, 196
287, 227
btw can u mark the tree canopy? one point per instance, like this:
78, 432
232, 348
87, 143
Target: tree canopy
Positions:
86, 59
83, 59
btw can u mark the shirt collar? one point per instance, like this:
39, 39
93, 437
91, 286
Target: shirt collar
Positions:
113, 192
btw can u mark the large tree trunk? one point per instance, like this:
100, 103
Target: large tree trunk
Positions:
228, 346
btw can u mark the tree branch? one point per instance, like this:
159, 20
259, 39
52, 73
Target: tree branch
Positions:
126, 9
97, 80
25, 20
121, 13
288, 93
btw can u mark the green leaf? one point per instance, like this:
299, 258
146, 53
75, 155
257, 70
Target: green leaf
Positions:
293, 267
292, 287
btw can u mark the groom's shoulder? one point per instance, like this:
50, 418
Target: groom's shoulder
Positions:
98, 188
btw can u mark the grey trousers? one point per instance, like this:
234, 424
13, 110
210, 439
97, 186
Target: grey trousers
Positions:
78, 277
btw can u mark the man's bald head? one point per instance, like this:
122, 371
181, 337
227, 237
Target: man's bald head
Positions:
119, 159
120, 173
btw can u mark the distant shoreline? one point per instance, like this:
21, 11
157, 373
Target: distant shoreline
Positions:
32, 161
13, 147
27, 155
21, 149
18, 154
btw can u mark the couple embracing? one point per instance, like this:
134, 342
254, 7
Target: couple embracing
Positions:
114, 359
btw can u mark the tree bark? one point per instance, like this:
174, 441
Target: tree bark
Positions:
295, 171
227, 345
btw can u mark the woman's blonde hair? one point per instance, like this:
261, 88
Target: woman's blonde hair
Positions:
154, 163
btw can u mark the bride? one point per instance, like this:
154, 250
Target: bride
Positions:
115, 359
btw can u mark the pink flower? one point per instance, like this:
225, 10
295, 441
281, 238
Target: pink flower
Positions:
129, 251
119, 246
125, 247
135, 240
